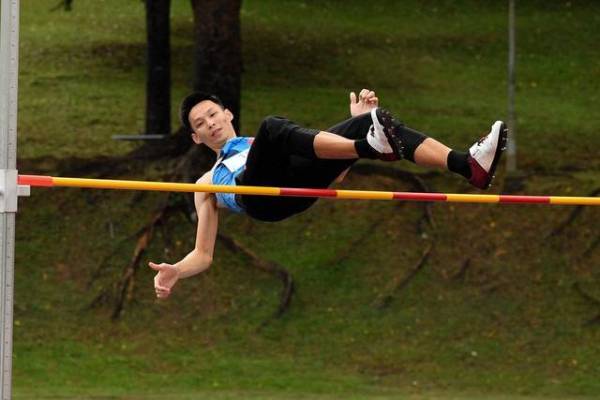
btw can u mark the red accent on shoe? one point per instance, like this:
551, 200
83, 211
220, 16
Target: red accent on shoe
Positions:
480, 178
387, 156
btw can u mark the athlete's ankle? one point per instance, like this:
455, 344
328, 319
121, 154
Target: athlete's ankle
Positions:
458, 162
364, 149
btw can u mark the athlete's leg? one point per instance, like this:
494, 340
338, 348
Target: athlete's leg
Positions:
284, 155
330, 146
378, 135
432, 153
478, 164
291, 138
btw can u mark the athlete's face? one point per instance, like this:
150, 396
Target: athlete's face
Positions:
211, 124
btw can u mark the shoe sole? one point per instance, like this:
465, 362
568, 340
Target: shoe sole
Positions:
502, 140
387, 120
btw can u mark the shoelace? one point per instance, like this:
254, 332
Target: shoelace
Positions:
481, 140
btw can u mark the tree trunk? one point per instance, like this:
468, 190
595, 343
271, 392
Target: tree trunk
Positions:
158, 82
217, 53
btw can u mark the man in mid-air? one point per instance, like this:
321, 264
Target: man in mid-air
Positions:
284, 154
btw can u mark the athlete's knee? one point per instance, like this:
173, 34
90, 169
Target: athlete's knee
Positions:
270, 129
287, 136
354, 128
271, 123
364, 117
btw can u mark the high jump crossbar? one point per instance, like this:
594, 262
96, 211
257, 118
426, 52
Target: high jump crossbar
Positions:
50, 181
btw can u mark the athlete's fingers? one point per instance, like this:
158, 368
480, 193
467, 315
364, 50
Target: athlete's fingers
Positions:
167, 292
158, 284
159, 281
160, 288
352, 98
156, 267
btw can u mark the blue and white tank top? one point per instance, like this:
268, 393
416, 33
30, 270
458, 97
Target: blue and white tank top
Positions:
231, 163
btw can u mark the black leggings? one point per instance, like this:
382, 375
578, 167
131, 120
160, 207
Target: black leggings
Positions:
285, 158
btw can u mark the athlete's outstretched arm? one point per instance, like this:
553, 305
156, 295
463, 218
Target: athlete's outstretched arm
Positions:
200, 258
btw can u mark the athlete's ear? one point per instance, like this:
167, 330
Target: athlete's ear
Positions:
196, 138
229, 115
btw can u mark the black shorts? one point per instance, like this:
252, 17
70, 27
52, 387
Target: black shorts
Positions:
282, 156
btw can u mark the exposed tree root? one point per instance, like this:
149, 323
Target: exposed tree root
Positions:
187, 159
104, 263
66, 5
182, 163
492, 286
398, 284
349, 250
185, 167
126, 284
462, 272
588, 252
590, 299
269, 267
419, 184
122, 290
593, 321
414, 179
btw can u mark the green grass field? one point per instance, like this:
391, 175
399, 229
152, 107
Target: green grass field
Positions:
510, 326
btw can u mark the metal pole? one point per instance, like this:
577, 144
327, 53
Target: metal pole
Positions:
511, 153
9, 66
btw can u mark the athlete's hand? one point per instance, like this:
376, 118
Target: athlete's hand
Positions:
366, 101
165, 279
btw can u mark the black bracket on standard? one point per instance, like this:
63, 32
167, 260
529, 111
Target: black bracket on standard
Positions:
140, 136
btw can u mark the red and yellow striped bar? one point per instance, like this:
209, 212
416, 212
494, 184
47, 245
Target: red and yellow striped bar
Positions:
49, 181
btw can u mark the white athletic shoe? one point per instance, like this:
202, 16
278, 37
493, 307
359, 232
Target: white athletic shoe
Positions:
382, 136
485, 154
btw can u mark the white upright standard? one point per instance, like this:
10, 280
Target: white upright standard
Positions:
511, 152
9, 66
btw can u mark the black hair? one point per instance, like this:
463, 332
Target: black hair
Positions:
190, 101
